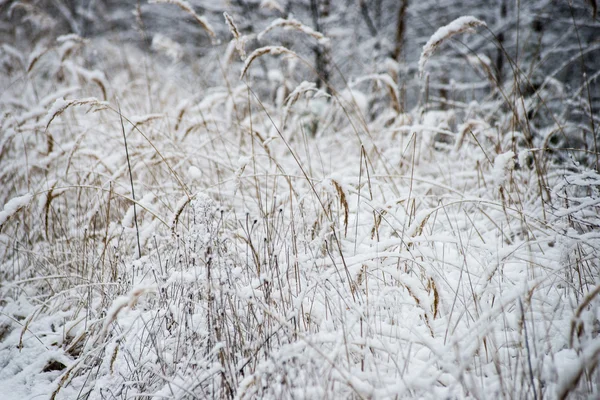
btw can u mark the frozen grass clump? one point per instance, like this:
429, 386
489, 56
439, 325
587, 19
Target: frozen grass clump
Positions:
295, 241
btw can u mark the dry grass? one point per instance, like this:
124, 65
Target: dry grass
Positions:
290, 248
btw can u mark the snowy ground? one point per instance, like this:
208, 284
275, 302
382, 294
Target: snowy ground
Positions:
293, 245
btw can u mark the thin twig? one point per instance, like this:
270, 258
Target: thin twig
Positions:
137, 230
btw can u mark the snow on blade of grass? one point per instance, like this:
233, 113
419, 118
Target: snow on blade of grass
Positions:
387, 81
120, 303
401, 253
183, 201
14, 205
274, 50
142, 119
271, 5
35, 56
240, 40
293, 24
571, 371
459, 25
71, 37
60, 105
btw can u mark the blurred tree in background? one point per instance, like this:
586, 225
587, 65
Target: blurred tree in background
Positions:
545, 52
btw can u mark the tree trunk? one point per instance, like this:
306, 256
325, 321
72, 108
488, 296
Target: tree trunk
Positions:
320, 9
400, 29
499, 54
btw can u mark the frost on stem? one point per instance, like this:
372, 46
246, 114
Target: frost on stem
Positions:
459, 25
200, 234
202, 207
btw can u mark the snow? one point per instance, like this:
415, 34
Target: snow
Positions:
298, 241
383, 78
293, 24
35, 56
459, 25
355, 100
195, 172
57, 108
60, 104
169, 47
185, 6
142, 119
271, 5
240, 40
273, 50
503, 164
69, 37
13, 206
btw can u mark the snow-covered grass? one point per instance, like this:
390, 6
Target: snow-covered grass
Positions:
459, 25
291, 247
